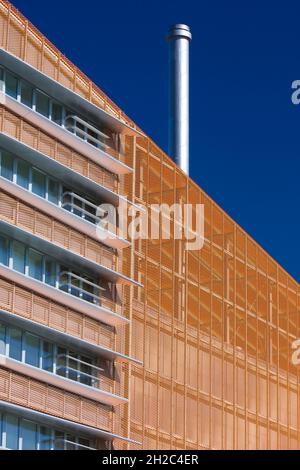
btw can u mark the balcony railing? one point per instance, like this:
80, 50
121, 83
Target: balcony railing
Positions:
86, 131
81, 207
91, 379
64, 444
80, 287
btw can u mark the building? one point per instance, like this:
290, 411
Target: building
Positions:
135, 344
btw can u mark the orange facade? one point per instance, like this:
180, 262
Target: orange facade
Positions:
203, 338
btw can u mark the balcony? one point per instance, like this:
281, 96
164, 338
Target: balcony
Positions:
79, 206
62, 424
100, 144
92, 393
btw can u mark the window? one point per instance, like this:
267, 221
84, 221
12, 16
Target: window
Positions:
56, 114
11, 85
45, 438
15, 344
47, 356
38, 183
24, 434
35, 264
50, 272
7, 165
86, 371
32, 349
53, 191
28, 432
42, 103
26, 94
4, 251
18, 256
12, 432
23, 170
2, 339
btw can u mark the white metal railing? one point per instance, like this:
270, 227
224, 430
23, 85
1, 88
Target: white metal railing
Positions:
69, 199
101, 138
95, 380
69, 286
64, 444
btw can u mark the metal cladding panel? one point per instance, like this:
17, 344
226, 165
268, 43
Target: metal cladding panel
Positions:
214, 328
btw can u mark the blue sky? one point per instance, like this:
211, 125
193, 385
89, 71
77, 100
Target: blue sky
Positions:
245, 131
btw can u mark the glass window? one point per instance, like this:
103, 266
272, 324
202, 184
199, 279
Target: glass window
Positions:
73, 366
53, 191
2, 339
26, 93
12, 432
56, 114
50, 272
86, 371
15, 344
47, 356
18, 256
11, 85
84, 442
61, 364
23, 174
38, 183
7, 165
4, 250
70, 442
28, 431
42, 104
45, 438
32, 349
59, 438
35, 263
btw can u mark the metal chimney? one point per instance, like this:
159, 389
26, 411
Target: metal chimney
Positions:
179, 37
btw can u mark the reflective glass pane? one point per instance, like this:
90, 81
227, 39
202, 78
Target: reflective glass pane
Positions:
11, 85
53, 191
59, 438
45, 438
23, 174
84, 442
15, 344
86, 371
2, 339
4, 249
42, 104
50, 272
18, 256
38, 183
12, 432
26, 93
35, 263
28, 431
7, 165
73, 366
32, 349
56, 114
47, 356
61, 362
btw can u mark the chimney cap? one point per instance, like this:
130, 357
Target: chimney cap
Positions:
179, 30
